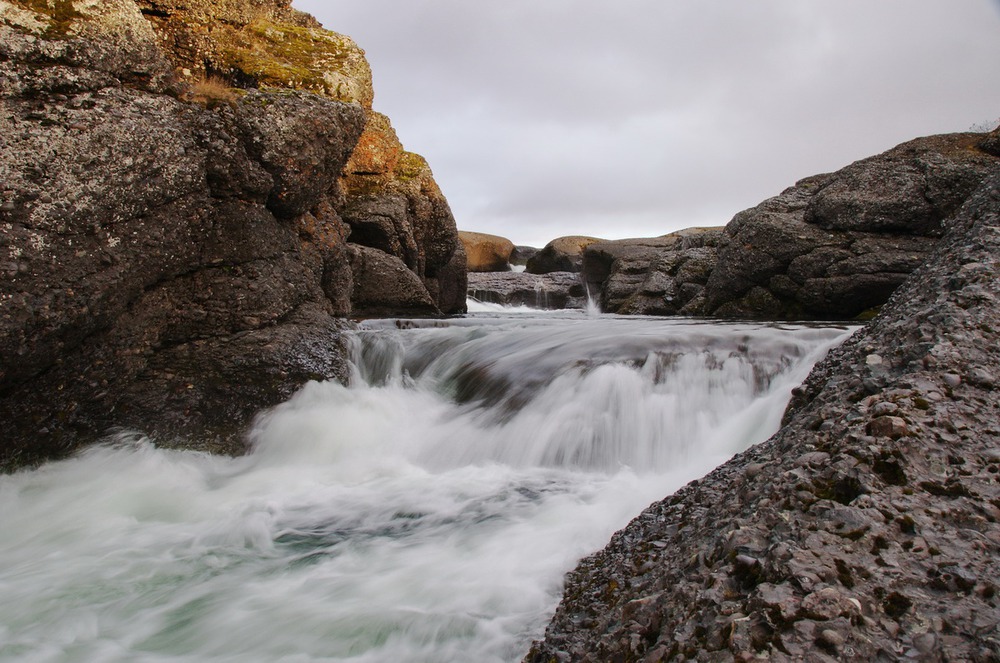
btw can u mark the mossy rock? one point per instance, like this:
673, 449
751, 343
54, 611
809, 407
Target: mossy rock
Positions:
59, 15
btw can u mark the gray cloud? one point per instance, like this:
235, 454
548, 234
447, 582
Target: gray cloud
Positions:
644, 116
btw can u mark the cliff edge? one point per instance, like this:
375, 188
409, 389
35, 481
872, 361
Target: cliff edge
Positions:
194, 195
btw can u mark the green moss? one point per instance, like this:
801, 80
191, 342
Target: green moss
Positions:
281, 55
868, 314
410, 166
61, 15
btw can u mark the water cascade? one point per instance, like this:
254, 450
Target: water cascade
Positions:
426, 512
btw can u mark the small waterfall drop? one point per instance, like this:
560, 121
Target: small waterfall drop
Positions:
426, 512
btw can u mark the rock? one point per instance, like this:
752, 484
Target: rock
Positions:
176, 266
836, 246
521, 254
882, 549
486, 253
555, 290
384, 286
991, 143
563, 254
653, 276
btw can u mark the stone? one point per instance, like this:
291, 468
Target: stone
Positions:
836, 246
174, 265
563, 254
486, 253
555, 290
889, 555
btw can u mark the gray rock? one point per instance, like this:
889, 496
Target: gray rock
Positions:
556, 290
886, 549
836, 246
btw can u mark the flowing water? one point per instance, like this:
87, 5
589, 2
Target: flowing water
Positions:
427, 512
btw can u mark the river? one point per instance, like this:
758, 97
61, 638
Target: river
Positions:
425, 513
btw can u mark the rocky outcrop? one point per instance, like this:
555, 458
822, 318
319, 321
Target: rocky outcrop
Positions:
563, 254
865, 529
486, 253
176, 263
655, 276
831, 247
555, 290
835, 246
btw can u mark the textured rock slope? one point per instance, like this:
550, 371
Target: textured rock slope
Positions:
833, 246
865, 529
176, 252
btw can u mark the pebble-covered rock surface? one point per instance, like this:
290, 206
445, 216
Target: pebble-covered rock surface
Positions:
865, 529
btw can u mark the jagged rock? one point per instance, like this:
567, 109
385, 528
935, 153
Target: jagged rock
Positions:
563, 254
392, 203
652, 276
486, 253
835, 246
555, 290
835, 539
174, 265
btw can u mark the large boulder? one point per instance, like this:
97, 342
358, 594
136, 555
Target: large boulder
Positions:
652, 276
486, 253
175, 265
563, 254
835, 246
865, 529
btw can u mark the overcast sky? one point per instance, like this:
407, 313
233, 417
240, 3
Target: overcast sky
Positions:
633, 118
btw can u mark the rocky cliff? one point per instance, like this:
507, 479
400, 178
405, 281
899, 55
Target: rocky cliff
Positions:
193, 195
866, 529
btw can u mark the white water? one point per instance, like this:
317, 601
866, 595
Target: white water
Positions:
427, 513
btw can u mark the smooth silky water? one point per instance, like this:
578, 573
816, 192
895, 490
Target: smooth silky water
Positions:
427, 512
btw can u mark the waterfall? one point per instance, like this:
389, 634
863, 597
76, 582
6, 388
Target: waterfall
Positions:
425, 512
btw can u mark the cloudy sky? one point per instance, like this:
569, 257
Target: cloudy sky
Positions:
633, 118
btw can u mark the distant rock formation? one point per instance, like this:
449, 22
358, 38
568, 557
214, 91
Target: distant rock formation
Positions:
831, 247
486, 253
563, 254
193, 194
867, 528
555, 290
655, 276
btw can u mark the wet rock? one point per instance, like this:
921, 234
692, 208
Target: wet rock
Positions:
555, 290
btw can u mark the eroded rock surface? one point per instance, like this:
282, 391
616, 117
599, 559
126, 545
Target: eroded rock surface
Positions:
865, 529
555, 290
835, 246
563, 254
655, 276
176, 261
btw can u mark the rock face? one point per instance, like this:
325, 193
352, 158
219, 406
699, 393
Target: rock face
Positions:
555, 290
831, 247
865, 529
176, 261
486, 253
834, 246
655, 276
563, 254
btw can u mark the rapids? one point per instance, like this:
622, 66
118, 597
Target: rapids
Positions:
426, 512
